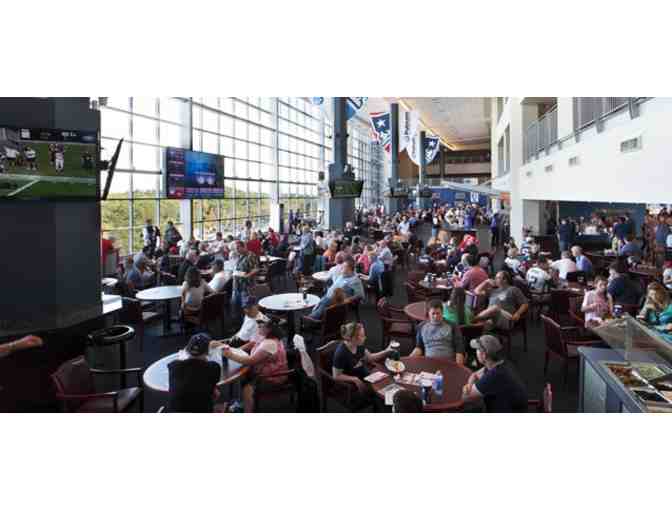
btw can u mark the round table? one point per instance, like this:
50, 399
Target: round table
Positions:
417, 311
443, 287
165, 293
321, 276
109, 282
265, 258
454, 378
156, 375
289, 303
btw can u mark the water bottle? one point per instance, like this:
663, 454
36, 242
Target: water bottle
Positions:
438, 383
426, 392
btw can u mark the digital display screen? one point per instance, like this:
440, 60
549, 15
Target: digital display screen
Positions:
345, 188
192, 174
38, 163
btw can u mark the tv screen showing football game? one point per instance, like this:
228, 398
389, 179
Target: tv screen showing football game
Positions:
344, 188
38, 163
192, 174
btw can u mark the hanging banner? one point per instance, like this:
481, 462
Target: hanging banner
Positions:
352, 105
408, 127
432, 146
380, 123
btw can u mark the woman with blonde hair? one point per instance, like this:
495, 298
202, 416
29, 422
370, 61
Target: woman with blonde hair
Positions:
352, 357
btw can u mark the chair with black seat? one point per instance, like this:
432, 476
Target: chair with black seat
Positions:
545, 405
396, 326
212, 309
115, 335
329, 327
345, 393
132, 313
75, 389
277, 269
563, 342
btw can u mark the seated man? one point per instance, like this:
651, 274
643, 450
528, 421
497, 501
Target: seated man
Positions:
193, 381
251, 319
497, 383
621, 288
512, 261
631, 249
348, 281
437, 338
376, 272
538, 278
474, 275
220, 276
506, 305
564, 265
583, 263
337, 270
405, 401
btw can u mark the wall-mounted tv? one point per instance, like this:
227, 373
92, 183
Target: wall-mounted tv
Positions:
192, 174
50, 164
345, 188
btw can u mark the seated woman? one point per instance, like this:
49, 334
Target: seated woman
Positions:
194, 289
267, 356
351, 356
506, 305
456, 310
596, 303
657, 309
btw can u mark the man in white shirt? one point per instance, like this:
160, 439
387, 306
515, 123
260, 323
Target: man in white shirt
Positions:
564, 265
384, 253
512, 261
538, 276
220, 277
337, 270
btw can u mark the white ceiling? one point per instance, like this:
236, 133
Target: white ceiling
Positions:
463, 122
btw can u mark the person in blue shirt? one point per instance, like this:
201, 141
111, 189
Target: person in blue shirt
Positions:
631, 249
621, 288
376, 272
621, 229
565, 236
348, 281
583, 263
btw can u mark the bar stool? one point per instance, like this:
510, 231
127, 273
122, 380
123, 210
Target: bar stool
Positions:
114, 335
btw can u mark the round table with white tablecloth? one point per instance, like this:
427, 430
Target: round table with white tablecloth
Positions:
165, 293
289, 304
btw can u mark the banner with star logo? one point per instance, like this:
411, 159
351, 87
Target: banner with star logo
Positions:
380, 124
432, 146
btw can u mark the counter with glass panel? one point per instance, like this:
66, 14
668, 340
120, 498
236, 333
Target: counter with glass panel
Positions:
633, 375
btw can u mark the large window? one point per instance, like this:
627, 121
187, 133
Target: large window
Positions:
255, 135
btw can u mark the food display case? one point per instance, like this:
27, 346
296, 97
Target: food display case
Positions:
634, 375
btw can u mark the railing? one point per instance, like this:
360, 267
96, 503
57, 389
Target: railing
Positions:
541, 134
589, 109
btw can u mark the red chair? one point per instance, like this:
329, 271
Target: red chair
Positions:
396, 325
563, 342
76, 391
265, 389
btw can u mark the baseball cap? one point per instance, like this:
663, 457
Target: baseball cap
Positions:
199, 344
486, 343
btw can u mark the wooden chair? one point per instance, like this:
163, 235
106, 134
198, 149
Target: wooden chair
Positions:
413, 294
396, 325
212, 309
345, 393
414, 277
133, 314
506, 335
75, 389
468, 334
559, 310
563, 342
265, 389
545, 405
329, 327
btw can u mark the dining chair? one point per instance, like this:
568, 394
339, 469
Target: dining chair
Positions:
75, 389
396, 326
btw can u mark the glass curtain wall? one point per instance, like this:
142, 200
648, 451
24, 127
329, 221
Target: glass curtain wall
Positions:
244, 131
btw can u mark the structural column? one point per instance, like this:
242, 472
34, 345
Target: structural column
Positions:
423, 168
341, 210
393, 203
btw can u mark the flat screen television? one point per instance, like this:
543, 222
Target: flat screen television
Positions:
48, 164
345, 188
193, 174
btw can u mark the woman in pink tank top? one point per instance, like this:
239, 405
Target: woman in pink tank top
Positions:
267, 357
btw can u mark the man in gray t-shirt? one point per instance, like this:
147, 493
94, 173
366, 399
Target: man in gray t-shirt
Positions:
437, 338
506, 302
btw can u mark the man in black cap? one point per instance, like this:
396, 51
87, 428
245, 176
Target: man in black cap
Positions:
193, 381
497, 383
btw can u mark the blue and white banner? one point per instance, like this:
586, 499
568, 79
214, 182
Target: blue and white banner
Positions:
352, 105
380, 123
432, 146
408, 127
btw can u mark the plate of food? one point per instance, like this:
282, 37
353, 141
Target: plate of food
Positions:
625, 375
396, 367
648, 370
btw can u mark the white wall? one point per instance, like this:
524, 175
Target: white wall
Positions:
604, 173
